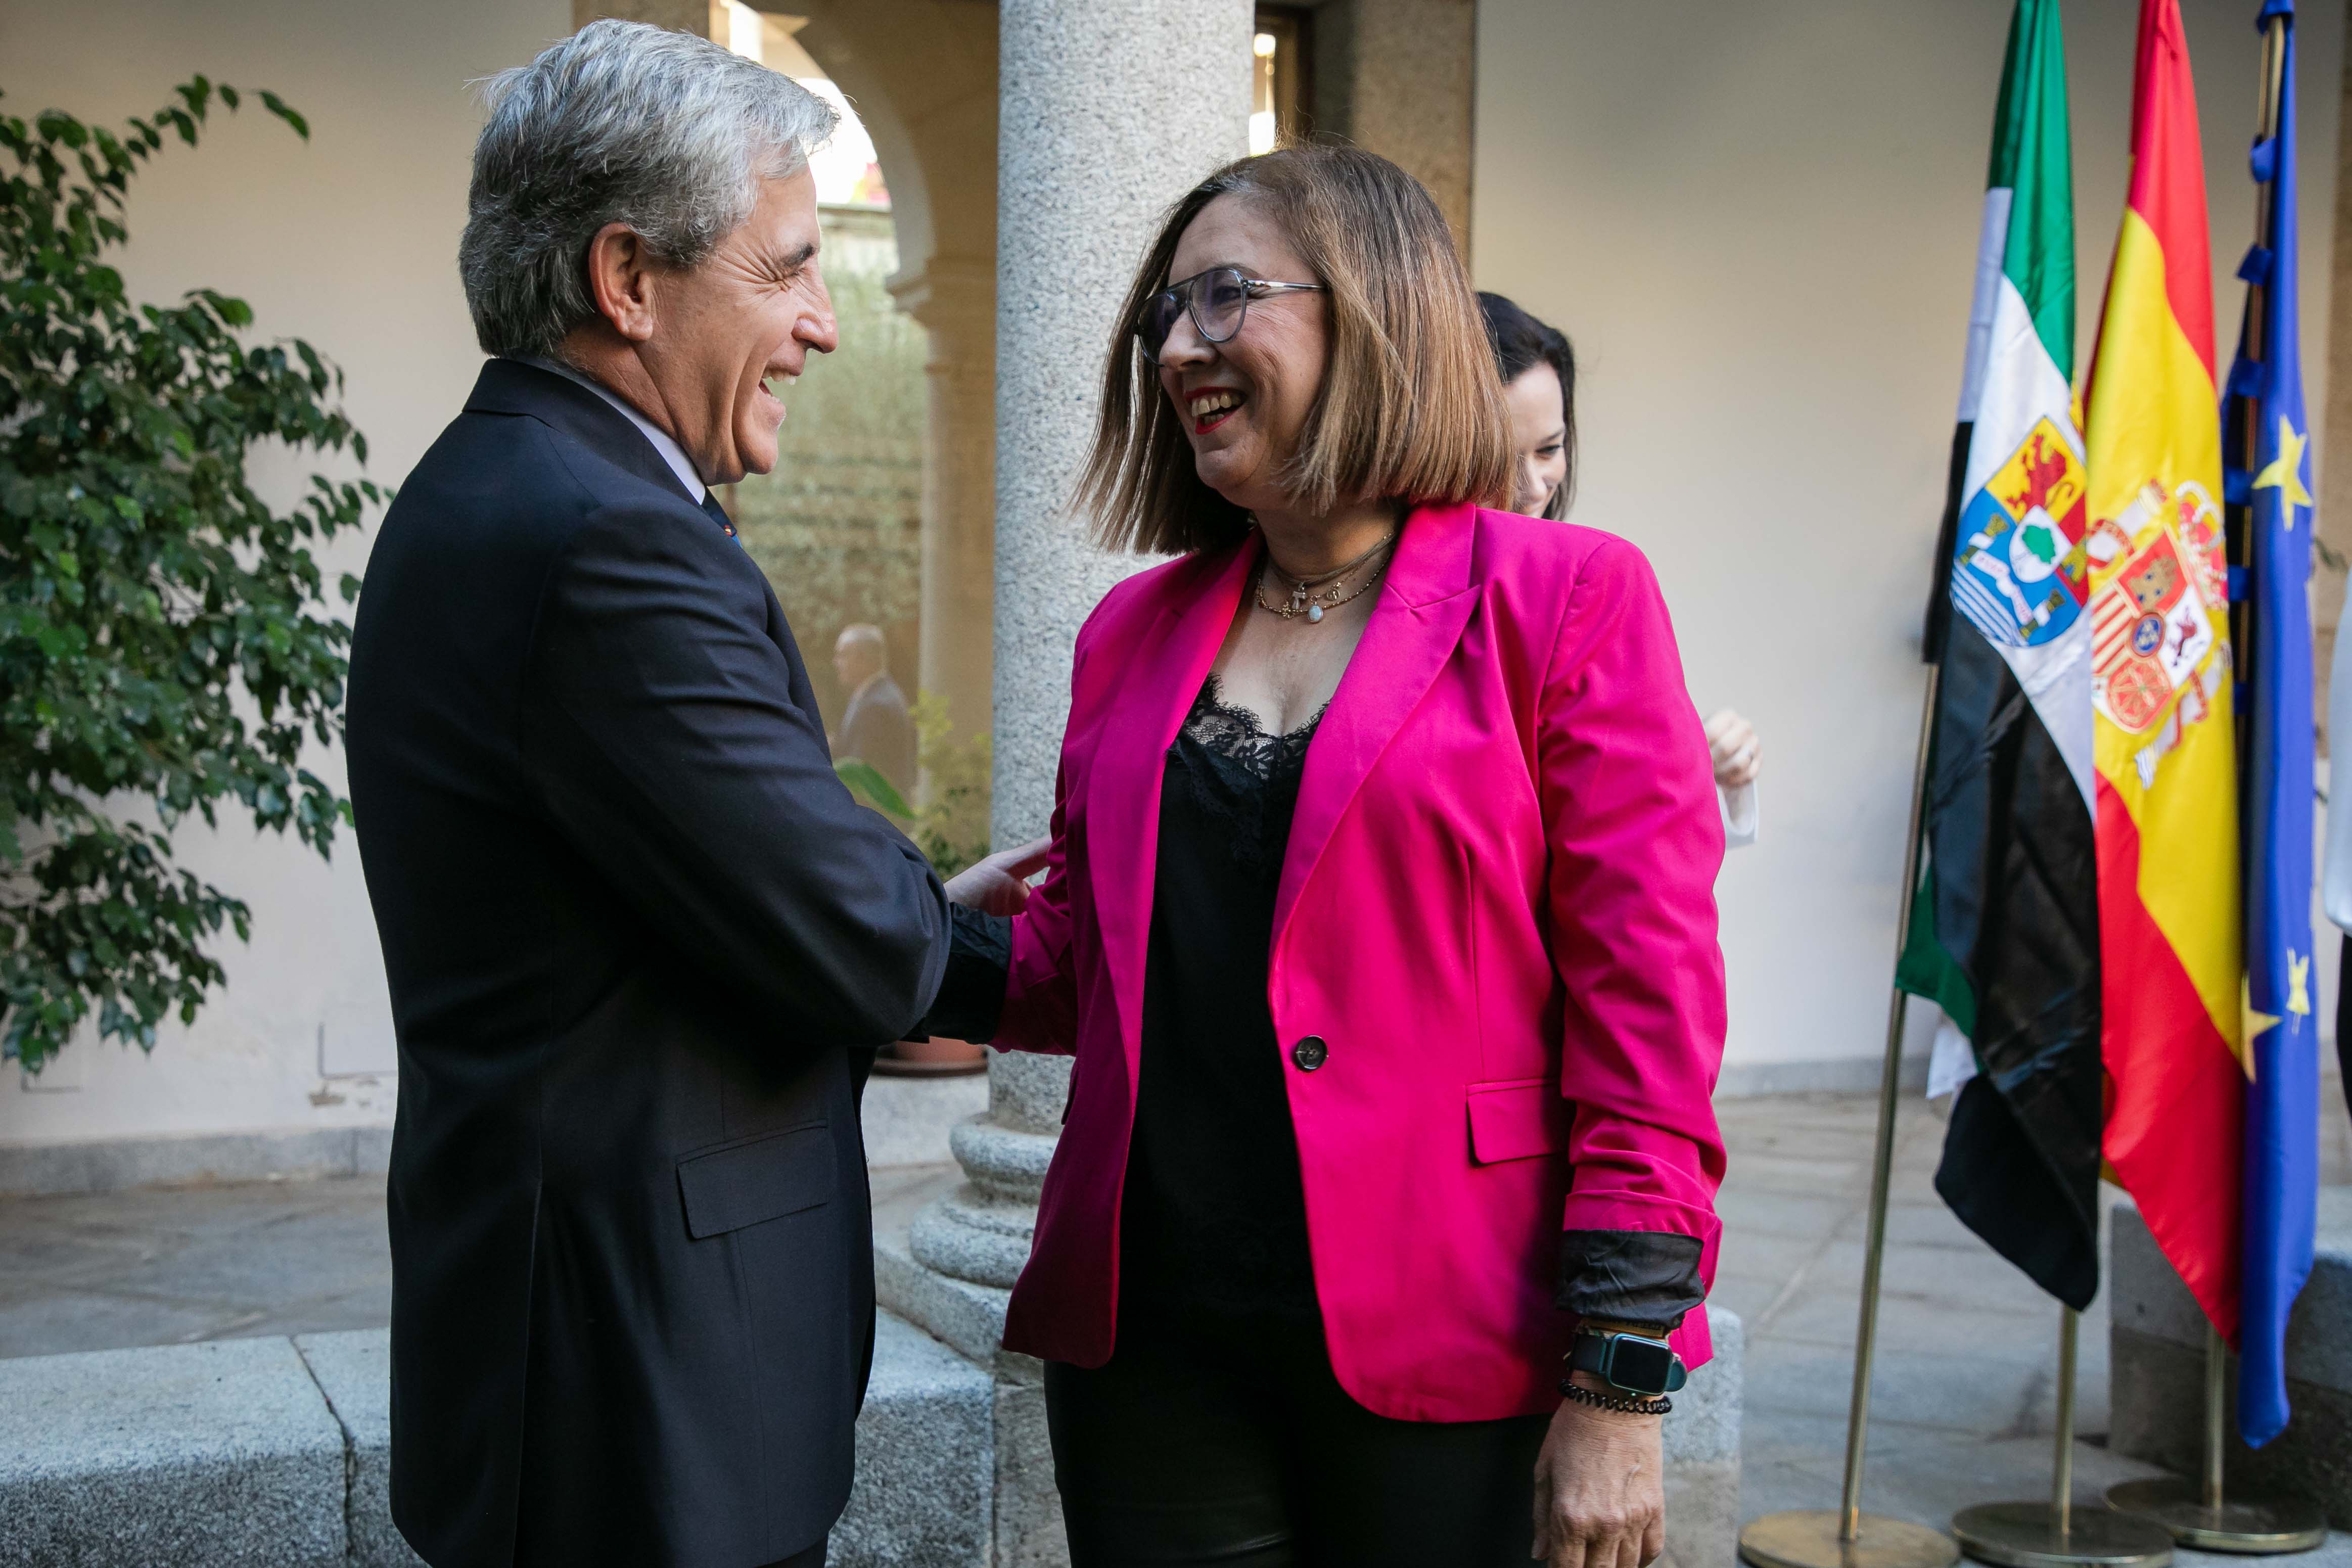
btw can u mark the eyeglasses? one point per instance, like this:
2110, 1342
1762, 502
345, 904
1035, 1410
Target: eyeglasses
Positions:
1217, 301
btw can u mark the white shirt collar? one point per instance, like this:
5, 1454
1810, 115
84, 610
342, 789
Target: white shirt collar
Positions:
671, 452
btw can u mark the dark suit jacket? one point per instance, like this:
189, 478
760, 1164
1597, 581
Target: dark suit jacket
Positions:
640, 939
879, 729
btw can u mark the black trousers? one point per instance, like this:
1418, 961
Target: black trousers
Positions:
810, 1557
2344, 1016
1233, 1444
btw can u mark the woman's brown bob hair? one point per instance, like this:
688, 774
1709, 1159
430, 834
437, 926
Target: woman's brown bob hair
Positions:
1410, 408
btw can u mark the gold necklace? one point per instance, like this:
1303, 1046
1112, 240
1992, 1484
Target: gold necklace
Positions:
1311, 596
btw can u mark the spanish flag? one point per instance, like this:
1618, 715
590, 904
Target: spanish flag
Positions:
2164, 742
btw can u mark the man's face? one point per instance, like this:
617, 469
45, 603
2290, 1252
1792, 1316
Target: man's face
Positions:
749, 314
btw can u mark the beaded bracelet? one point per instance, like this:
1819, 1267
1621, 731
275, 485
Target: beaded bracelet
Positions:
1584, 1396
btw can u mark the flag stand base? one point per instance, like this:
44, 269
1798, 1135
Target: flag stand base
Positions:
2057, 1534
2198, 1514
2035, 1535
2250, 1526
1809, 1538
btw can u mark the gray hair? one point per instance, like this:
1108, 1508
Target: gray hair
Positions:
621, 122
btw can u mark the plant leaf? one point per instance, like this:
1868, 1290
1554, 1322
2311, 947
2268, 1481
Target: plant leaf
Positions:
865, 781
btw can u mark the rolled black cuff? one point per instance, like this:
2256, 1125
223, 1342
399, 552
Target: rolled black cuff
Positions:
971, 994
1648, 1278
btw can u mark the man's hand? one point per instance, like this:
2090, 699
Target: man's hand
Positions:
1000, 884
1600, 1499
1733, 748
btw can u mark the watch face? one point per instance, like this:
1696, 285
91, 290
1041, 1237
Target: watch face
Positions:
1642, 1365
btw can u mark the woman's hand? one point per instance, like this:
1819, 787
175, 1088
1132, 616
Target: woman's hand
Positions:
1000, 884
1600, 1499
1733, 748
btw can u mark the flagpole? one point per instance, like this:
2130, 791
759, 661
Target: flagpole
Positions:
1847, 1537
2057, 1534
2198, 1514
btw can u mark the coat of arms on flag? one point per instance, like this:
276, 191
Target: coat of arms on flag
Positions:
2019, 574
2152, 621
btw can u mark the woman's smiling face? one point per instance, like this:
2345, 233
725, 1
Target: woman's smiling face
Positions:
1243, 403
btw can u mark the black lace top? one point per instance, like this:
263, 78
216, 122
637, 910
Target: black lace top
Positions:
1214, 1218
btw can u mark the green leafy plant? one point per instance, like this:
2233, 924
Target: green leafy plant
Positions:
163, 645
870, 787
953, 830
950, 828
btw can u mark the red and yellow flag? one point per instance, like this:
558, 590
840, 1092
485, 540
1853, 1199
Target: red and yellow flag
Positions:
2164, 741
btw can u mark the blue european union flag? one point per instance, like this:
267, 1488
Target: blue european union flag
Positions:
2266, 439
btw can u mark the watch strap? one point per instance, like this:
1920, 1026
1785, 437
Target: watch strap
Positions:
1595, 1352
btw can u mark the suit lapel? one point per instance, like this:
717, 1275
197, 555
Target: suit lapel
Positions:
1425, 604
1163, 676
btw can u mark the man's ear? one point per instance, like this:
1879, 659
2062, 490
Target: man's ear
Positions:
621, 281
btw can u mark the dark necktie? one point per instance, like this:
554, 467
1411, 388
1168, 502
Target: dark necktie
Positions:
717, 514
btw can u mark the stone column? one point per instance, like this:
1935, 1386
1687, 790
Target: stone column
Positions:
1107, 111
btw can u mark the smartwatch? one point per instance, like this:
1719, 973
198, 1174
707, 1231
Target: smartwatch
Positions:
1638, 1364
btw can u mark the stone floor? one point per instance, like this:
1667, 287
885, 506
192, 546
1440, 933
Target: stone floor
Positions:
1963, 1401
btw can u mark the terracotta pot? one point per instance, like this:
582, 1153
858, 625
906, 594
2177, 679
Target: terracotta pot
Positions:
935, 1057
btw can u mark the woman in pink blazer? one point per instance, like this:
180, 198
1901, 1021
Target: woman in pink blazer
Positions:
1377, 914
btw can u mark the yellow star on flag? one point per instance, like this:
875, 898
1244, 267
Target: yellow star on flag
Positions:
2284, 473
2255, 1022
2299, 980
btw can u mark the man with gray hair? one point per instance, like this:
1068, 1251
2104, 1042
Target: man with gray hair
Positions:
641, 942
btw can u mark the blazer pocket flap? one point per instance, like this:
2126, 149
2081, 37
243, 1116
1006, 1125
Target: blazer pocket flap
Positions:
1517, 1120
763, 1178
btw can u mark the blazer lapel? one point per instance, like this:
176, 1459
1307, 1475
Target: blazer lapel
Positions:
1423, 608
1163, 676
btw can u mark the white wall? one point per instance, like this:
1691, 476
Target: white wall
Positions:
1758, 222
351, 242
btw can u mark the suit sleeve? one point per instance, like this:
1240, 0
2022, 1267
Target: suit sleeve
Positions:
1636, 840
661, 728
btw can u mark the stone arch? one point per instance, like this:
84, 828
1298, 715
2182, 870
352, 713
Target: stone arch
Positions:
923, 75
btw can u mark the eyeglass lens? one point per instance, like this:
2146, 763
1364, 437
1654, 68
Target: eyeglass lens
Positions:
1218, 301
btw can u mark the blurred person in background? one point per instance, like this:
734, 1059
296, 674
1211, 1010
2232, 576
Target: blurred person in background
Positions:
1538, 370
876, 726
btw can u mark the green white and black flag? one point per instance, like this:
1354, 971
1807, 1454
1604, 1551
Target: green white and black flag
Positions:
2005, 924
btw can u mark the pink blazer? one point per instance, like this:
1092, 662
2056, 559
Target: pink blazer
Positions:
1497, 911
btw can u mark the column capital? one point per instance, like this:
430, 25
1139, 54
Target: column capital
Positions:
949, 293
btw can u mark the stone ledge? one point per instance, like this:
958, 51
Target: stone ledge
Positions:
114, 1165
276, 1453
190, 1455
353, 1372
2157, 1367
926, 1459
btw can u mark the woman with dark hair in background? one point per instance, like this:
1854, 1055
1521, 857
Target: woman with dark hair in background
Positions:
1538, 369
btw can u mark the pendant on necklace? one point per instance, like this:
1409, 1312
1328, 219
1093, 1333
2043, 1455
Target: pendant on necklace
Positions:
1313, 614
